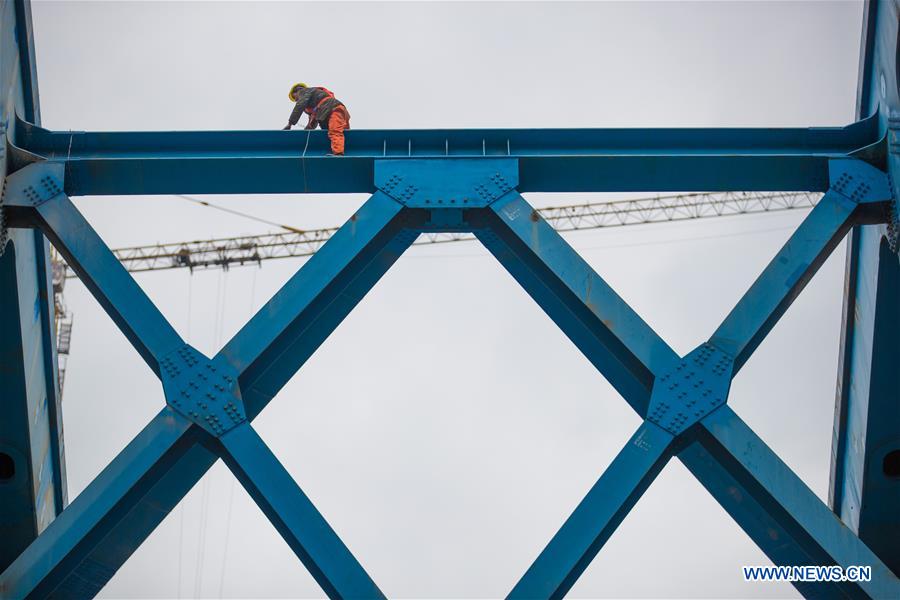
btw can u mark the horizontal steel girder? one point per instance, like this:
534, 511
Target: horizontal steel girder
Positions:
550, 160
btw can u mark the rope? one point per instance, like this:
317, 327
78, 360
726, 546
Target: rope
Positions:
303, 160
227, 536
253, 294
180, 545
231, 490
220, 326
201, 541
221, 298
190, 304
238, 213
181, 509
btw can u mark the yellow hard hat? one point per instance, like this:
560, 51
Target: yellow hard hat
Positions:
294, 89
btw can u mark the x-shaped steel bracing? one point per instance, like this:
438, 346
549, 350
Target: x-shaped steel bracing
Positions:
210, 403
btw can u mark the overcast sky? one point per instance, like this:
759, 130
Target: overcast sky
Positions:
448, 428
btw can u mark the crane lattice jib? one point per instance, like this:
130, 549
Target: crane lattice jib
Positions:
253, 249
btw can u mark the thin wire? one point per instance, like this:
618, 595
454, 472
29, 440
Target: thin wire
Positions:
201, 541
303, 159
238, 213
227, 536
181, 509
221, 326
190, 304
629, 245
231, 491
693, 238
201, 544
180, 545
218, 308
67, 166
253, 293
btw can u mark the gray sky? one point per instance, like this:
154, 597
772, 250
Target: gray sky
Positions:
448, 428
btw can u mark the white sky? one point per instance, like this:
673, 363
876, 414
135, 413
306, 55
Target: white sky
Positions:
448, 428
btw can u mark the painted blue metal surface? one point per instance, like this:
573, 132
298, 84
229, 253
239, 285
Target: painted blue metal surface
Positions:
21, 401
32, 486
35, 194
855, 186
299, 522
150, 505
54, 564
465, 181
815, 535
203, 391
806, 534
276, 342
550, 160
286, 331
602, 325
446, 184
33, 440
691, 389
78, 556
864, 489
595, 519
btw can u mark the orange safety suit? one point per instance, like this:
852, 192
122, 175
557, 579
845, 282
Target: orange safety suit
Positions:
338, 121
325, 111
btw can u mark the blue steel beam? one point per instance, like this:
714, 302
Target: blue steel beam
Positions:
51, 371
55, 563
795, 264
30, 494
815, 535
317, 297
558, 161
324, 290
598, 515
772, 293
602, 325
751, 515
783, 535
864, 486
32, 482
285, 332
857, 191
385, 215
850, 201
551, 160
24, 36
864, 489
34, 197
299, 522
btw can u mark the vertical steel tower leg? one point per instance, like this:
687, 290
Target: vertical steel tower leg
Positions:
865, 471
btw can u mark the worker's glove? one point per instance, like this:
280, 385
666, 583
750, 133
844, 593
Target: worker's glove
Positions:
286, 127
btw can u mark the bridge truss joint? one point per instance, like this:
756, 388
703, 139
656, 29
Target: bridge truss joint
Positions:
859, 182
204, 391
446, 183
690, 390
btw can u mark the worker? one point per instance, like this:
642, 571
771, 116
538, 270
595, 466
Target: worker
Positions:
324, 110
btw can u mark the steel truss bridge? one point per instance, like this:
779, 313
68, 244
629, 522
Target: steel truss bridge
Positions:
454, 181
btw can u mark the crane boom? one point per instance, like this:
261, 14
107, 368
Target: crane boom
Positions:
253, 249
